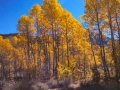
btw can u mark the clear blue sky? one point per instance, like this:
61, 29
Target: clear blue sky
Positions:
11, 10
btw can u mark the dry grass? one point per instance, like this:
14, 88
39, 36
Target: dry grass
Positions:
54, 84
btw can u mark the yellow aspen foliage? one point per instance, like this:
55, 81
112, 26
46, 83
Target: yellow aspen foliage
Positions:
52, 9
26, 25
65, 71
35, 11
49, 39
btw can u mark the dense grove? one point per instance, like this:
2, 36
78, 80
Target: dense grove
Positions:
51, 43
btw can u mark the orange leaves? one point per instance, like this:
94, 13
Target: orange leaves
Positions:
58, 37
36, 10
52, 9
118, 1
25, 20
26, 25
6, 49
5, 44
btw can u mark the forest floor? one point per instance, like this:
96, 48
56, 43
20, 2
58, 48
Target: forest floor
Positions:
56, 85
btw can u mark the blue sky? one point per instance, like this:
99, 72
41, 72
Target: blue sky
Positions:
11, 10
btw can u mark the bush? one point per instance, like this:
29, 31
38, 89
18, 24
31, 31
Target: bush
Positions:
1, 84
24, 85
10, 85
52, 83
96, 75
111, 85
40, 86
61, 83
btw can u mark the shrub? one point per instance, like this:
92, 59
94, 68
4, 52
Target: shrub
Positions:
24, 85
96, 75
10, 85
40, 86
52, 83
1, 84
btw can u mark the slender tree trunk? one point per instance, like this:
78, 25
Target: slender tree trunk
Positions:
53, 45
84, 63
67, 43
102, 51
113, 43
92, 50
